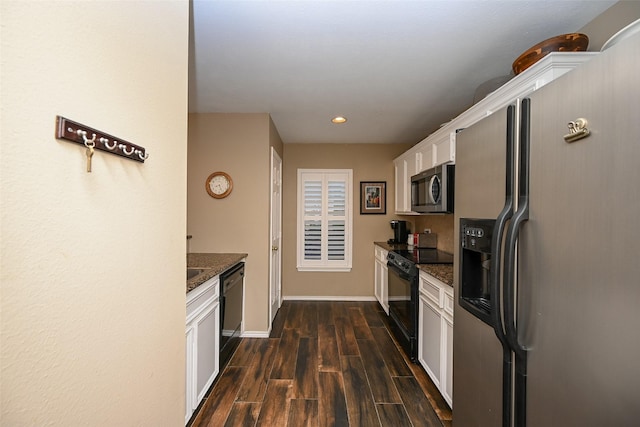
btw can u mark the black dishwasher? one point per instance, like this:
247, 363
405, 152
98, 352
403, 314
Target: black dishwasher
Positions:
231, 288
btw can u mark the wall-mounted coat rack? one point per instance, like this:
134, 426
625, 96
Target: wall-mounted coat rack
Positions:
98, 140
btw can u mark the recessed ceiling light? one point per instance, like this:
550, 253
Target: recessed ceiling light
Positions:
338, 119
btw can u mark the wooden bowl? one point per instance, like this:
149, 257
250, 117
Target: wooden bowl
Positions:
573, 42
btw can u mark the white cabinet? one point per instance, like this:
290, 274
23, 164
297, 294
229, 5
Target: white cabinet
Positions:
435, 337
430, 327
405, 167
401, 194
380, 277
403, 188
202, 338
440, 147
444, 149
446, 384
424, 157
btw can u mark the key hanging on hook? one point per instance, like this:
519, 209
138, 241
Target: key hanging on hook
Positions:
90, 151
89, 143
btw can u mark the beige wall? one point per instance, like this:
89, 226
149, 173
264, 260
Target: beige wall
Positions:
610, 22
238, 144
93, 264
442, 225
370, 162
274, 138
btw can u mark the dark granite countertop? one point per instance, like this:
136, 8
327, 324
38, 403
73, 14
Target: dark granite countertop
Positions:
442, 272
391, 246
212, 264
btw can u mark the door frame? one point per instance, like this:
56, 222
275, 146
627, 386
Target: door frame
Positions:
275, 241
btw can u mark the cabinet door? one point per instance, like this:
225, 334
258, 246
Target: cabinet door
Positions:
381, 285
207, 331
444, 149
446, 387
430, 339
377, 281
400, 173
405, 168
384, 272
424, 157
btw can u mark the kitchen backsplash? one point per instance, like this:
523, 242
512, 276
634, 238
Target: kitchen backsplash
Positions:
440, 224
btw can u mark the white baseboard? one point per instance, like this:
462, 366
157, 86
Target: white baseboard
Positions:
255, 334
327, 298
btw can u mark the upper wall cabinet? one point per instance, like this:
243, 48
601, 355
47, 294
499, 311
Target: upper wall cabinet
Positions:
440, 146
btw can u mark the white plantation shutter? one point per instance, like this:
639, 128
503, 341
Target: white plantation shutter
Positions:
324, 219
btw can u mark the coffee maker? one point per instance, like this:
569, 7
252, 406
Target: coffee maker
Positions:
400, 232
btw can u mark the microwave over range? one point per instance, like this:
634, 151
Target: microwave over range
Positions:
432, 190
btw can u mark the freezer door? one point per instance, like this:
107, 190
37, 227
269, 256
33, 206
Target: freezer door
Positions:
477, 353
578, 284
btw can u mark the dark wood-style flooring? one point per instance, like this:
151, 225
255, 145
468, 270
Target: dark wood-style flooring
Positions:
325, 364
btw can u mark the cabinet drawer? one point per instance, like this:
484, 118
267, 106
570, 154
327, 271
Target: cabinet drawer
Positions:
199, 297
430, 290
448, 302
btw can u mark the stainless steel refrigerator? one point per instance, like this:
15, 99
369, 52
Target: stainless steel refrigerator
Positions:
547, 277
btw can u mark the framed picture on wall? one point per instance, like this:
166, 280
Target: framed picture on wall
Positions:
373, 197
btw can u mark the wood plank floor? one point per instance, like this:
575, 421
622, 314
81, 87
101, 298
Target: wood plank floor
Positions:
325, 364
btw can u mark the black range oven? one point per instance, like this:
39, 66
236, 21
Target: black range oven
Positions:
403, 293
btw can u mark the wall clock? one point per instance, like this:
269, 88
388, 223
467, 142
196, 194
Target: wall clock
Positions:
219, 185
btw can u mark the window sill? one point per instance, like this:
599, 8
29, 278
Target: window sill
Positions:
326, 269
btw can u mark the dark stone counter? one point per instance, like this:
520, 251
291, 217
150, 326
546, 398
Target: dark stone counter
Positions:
212, 264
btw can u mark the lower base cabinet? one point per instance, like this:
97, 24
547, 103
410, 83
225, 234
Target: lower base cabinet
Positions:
435, 339
381, 278
202, 338
429, 350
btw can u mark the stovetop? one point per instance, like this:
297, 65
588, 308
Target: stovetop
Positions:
425, 256
407, 259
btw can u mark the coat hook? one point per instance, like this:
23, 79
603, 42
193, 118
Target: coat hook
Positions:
123, 147
105, 141
143, 156
88, 142
98, 140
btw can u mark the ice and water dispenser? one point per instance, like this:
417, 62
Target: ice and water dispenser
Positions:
475, 266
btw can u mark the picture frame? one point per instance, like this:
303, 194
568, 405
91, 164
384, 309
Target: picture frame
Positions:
373, 197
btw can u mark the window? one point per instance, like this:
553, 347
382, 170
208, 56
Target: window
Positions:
324, 219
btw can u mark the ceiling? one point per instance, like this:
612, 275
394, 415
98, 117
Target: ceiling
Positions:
395, 69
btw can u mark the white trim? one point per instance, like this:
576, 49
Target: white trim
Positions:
255, 334
328, 298
330, 269
323, 176
274, 156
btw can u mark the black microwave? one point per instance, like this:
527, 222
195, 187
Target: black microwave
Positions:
432, 190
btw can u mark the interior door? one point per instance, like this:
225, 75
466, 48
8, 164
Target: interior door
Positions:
275, 283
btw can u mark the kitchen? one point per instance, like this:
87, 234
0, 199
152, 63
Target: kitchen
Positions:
81, 358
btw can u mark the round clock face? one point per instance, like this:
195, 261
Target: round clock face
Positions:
219, 185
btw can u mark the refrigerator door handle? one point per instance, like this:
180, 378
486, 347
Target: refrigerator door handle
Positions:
519, 217
496, 263
499, 227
